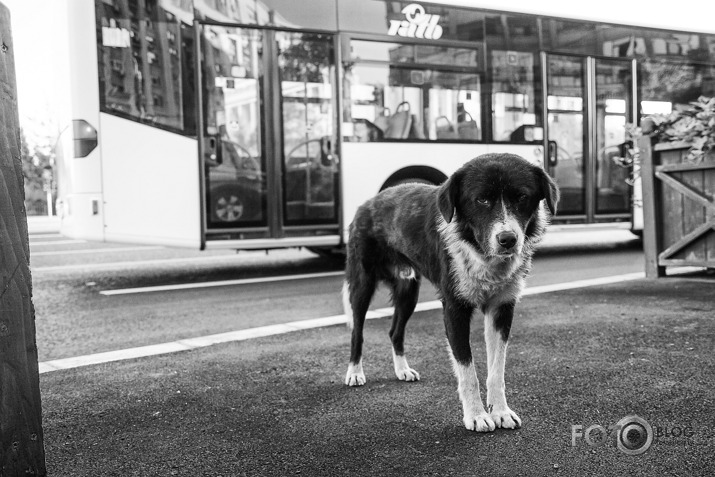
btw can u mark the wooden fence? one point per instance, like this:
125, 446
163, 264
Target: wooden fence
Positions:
678, 208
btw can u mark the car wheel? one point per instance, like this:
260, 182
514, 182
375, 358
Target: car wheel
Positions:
228, 207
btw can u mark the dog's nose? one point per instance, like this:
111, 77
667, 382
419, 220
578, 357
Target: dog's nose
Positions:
506, 239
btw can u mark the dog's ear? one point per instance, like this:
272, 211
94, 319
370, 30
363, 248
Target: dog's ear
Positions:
549, 190
448, 196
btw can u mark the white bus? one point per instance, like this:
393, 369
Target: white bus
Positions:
258, 124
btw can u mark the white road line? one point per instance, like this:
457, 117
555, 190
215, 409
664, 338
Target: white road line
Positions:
221, 283
94, 250
42, 236
134, 264
56, 242
271, 330
590, 282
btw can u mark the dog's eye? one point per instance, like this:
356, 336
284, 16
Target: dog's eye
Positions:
523, 198
483, 201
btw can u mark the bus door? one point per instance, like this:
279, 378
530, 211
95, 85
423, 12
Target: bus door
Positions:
269, 140
588, 102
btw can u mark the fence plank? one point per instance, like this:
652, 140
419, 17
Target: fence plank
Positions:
671, 202
694, 213
21, 438
709, 192
652, 237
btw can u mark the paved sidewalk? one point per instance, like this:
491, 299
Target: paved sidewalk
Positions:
277, 406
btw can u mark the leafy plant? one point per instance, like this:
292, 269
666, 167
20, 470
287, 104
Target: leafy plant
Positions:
693, 124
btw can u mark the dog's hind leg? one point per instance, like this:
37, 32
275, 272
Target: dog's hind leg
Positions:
497, 325
356, 299
405, 292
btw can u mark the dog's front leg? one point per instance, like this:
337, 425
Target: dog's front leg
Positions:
497, 325
457, 317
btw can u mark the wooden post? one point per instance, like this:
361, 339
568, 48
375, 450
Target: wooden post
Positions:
21, 439
652, 238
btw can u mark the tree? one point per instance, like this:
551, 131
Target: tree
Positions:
34, 164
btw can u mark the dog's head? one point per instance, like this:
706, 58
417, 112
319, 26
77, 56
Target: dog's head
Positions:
495, 200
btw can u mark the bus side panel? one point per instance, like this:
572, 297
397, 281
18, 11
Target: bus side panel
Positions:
533, 154
80, 178
366, 166
151, 185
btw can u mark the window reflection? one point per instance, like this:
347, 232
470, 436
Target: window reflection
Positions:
513, 96
565, 104
664, 84
233, 75
140, 66
306, 70
398, 91
613, 105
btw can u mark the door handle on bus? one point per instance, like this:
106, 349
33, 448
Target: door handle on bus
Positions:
553, 154
214, 151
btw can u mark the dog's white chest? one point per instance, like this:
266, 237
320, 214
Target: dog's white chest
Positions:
479, 280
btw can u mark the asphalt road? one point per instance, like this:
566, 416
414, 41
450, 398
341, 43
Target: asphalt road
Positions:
277, 406
74, 316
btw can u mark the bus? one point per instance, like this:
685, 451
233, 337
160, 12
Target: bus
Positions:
261, 124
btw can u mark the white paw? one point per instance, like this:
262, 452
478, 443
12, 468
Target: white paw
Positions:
407, 374
355, 379
355, 376
482, 422
505, 418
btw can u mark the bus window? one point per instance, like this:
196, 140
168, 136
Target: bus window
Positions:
411, 92
513, 96
140, 66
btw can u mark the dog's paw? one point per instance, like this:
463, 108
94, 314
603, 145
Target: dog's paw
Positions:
355, 376
407, 374
481, 422
355, 379
506, 419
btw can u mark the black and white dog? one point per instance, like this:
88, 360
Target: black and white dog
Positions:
473, 238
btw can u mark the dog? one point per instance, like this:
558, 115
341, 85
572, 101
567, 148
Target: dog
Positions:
473, 238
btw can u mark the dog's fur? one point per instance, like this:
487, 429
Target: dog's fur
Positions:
473, 238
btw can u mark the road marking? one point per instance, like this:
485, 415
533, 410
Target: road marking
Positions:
271, 330
133, 264
57, 242
221, 283
42, 236
94, 250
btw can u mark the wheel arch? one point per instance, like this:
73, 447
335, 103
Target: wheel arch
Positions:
424, 173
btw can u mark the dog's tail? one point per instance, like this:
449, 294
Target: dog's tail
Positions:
347, 308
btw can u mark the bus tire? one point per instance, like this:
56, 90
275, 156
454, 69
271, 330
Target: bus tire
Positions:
331, 253
415, 174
